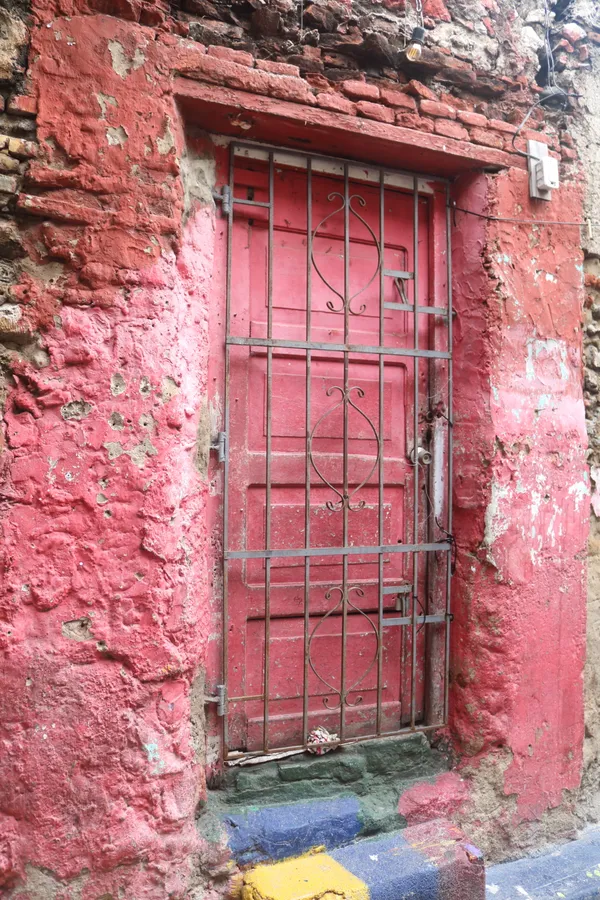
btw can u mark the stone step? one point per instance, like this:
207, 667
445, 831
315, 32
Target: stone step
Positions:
568, 872
432, 861
329, 805
356, 767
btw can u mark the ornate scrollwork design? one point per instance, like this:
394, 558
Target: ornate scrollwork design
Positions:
345, 401
343, 692
346, 305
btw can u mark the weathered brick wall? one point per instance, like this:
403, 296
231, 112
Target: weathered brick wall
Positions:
105, 612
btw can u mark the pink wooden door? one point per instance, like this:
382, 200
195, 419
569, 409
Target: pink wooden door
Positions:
319, 444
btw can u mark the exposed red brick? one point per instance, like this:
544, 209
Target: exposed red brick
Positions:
499, 125
360, 90
529, 135
441, 110
456, 102
487, 138
419, 90
235, 56
573, 32
436, 9
375, 111
584, 53
413, 120
336, 103
221, 71
472, 118
568, 153
398, 99
488, 25
277, 68
22, 105
451, 129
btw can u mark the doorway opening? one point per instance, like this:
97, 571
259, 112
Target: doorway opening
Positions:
337, 452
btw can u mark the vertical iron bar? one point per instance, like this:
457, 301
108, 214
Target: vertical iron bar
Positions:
268, 458
307, 473
345, 490
413, 667
450, 469
381, 431
225, 624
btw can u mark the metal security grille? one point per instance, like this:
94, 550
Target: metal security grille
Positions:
337, 451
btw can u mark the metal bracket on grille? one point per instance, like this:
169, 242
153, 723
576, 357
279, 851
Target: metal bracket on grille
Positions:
220, 445
224, 198
220, 699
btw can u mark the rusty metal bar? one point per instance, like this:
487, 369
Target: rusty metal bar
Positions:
381, 490
450, 471
336, 348
225, 617
307, 448
301, 552
304, 154
269, 428
346, 498
413, 661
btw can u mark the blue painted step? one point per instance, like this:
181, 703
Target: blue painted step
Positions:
569, 872
277, 832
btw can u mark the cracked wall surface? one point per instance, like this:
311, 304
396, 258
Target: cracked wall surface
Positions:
107, 235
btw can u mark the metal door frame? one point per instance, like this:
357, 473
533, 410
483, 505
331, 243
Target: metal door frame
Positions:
313, 162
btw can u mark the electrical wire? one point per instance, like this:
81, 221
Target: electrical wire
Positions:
471, 212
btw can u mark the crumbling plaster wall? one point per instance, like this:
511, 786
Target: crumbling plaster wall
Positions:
106, 616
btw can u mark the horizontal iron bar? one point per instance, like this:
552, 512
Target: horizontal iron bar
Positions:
408, 307
282, 151
393, 273
421, 620
234, 754
401, 589
251, 202
336, 348
336, 551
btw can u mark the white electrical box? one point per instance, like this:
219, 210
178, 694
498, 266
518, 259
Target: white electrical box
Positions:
544, 176
546, 173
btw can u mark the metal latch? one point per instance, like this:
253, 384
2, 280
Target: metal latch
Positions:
220, 445
224, 198
220, 699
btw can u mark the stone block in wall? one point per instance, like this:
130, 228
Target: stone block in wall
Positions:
13, 40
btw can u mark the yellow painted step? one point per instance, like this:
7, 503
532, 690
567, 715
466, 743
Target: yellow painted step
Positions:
311, 877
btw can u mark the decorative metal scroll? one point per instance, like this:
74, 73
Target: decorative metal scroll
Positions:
346, 304
343, 692
346, 402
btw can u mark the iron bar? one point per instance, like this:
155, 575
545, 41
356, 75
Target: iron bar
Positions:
269, 428
346, 500
297, 156
426, 310
450, 451
307, 447
421, 620
381, 491
335, 348
225, 618
301, 552
416, 463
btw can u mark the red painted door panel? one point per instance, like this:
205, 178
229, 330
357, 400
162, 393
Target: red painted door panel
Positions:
287, 629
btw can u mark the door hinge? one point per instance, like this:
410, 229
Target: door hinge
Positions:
220, 445
224, 198
220, 699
